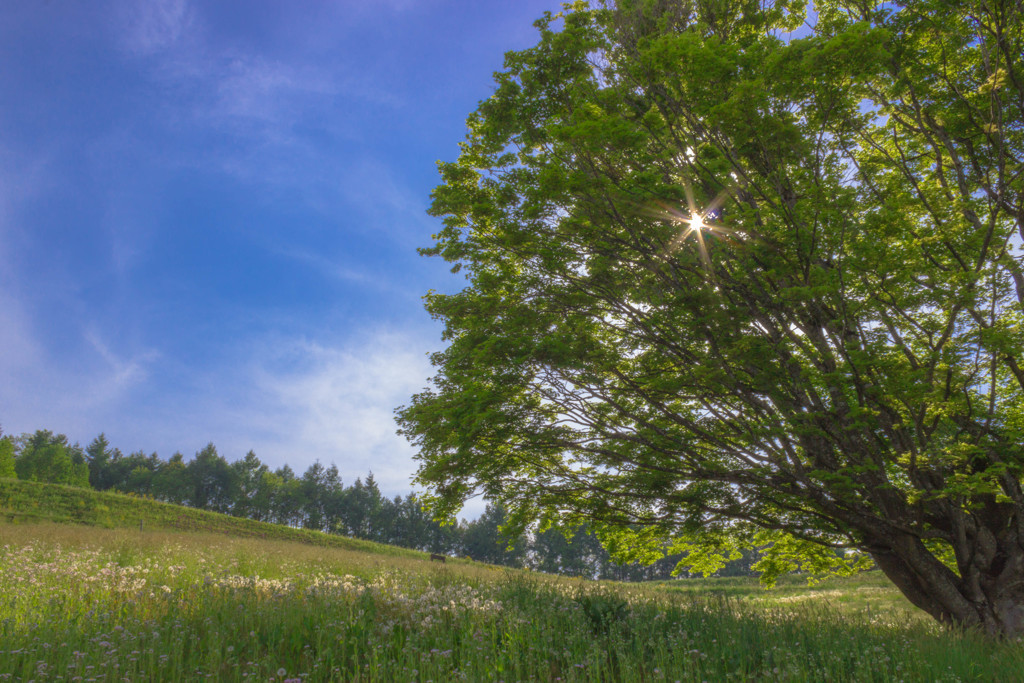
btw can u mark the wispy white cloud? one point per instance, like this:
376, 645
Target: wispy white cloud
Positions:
255, 96
336, 403
154, 26
74, 393
287, 120
339, 269
240, 91
292, 400
333, 269
118, 374
268, 117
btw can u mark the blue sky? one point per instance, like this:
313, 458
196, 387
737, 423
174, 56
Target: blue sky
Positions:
209, 214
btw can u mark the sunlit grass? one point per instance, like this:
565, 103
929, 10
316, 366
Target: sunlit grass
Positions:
25, 502
94, 604
869, 595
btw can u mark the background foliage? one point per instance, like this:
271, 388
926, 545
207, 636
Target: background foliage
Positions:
247, 489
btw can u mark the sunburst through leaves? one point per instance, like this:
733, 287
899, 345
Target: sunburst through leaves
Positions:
696, 221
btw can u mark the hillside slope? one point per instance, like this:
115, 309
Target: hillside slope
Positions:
29, 501
103, 603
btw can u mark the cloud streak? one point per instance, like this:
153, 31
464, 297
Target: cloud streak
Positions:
155, 26
337, 403
93, 389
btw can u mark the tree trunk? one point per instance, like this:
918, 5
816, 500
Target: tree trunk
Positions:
990, 598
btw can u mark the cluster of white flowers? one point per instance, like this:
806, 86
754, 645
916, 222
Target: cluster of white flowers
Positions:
431, 605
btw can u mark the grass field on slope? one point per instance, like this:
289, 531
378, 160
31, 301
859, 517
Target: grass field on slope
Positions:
25, 502
92, 604
100, 603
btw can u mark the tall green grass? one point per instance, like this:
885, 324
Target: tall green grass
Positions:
98, 604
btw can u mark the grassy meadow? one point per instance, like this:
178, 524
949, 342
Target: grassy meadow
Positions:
192, 596
92, 604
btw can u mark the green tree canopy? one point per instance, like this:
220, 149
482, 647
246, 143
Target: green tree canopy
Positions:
727, 286
7, 457
249, 473
211, 482
45, 456
100, 455
483, 540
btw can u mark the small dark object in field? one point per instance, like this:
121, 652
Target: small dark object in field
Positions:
434, 557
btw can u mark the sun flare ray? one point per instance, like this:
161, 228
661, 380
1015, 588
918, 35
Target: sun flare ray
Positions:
696, 222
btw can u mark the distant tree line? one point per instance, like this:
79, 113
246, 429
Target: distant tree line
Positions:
315, 500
